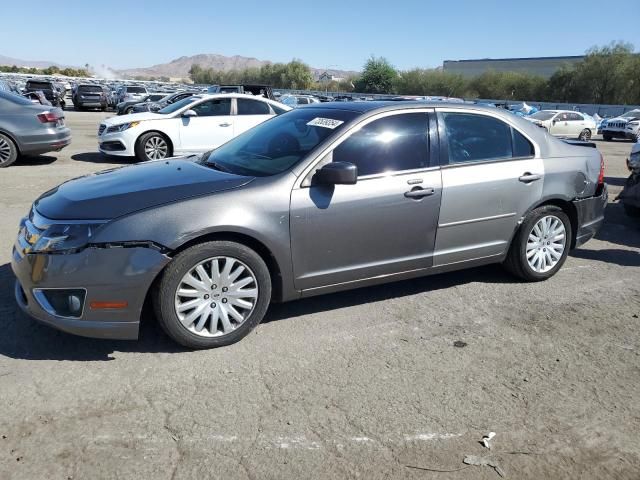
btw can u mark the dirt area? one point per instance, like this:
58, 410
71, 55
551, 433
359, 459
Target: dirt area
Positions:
363, 384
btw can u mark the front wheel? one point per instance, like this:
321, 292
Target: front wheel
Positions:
213, 294
585, 135
152, 146
541, 245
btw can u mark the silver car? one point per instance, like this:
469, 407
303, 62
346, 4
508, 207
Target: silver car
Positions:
29, 129
320, 199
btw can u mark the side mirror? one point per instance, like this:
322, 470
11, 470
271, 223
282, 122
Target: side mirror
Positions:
337, 173
189, 113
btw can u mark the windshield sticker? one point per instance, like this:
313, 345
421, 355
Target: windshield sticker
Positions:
325, 123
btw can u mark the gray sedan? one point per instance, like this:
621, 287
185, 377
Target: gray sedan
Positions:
29, 129
323, 198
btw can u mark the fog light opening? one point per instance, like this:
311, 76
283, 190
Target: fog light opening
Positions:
61, 302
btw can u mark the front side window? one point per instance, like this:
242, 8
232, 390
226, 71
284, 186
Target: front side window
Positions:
475, 138
213, 108
252, 107
389, 144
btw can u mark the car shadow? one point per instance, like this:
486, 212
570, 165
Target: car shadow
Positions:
97, 157
35, 160
615, 181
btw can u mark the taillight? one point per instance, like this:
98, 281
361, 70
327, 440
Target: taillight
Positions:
601, 176
48, 117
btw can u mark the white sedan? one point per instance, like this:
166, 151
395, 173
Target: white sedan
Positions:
194, 124
565, 123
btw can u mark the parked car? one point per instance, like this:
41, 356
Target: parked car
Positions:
320, 199
29, 129
37, 97
156, 106
258, 90
564, 123
617, 127
194, 124
294, 101
125, 108
51, 90
89, 95
127, 93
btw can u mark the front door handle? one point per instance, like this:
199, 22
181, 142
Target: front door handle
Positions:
224, 124
420, 192
529, 177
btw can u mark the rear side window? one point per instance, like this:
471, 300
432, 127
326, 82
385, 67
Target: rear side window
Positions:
475, 138
252, 107
389, 144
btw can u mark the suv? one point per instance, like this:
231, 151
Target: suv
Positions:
259, 90
90, 96
52, 91
127, 93
319, 199
624, 126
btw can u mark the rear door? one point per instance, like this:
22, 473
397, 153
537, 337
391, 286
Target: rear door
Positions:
212, 126
249, 113
386, 222
491, 175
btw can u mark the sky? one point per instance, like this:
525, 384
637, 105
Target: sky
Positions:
324, 34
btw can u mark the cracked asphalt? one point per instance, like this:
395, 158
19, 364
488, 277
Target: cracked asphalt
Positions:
362, 384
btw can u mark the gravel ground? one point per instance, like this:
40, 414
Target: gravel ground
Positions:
363, 384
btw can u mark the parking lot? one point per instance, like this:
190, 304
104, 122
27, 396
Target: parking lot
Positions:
401, 380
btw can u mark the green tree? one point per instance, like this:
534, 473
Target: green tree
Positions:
378, 76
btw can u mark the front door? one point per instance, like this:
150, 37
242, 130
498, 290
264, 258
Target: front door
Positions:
385, 223
211, 127
490, 178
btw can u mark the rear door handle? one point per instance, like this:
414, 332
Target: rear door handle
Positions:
420, 192
224, 124
529, 177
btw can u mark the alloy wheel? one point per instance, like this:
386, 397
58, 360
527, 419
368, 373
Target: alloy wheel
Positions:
546, 244
156, 148
5, 150
216, 296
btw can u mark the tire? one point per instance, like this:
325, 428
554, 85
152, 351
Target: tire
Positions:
585, 135
128, 111
213, 332
145, 143
607, 138
517, 261
8, 151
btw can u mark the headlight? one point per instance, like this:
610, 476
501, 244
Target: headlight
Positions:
634, 160
122, 127
60, 237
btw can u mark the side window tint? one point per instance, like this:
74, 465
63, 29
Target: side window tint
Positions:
521, 146
213, 108
390, 144
252, 107
473, 137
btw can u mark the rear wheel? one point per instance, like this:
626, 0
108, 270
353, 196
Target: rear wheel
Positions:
541, 245
152, 146
213, 294
128, 111
585, 135
8, 151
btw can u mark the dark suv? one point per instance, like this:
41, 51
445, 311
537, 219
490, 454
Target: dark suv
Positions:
54, 93
90, 96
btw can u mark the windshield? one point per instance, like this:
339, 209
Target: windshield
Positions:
543, 115
13, 98
174, 107
136, 90
631, 114
278, 144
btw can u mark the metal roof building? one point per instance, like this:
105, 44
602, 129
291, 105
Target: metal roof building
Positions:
542, 66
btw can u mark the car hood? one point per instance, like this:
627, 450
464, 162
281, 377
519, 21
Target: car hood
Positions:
113, 193
133, 117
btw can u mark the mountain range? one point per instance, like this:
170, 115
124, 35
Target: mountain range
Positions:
179, 67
